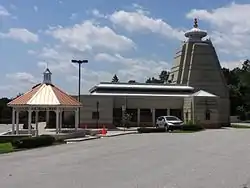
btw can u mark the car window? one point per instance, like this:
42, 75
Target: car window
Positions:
159, 118
169, 118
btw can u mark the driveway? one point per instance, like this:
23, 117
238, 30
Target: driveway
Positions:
214, 158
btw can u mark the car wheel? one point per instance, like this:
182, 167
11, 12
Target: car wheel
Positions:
167, 127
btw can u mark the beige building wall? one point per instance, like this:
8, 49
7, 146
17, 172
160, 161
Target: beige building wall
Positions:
201, 105
105, 109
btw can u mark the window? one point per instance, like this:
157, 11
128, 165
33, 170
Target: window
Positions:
95, 115
207, 115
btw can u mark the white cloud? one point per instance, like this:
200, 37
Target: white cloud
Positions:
96, 13
60, 2
73, 16
106, 57
4, 11
230, 27
31, 52
140, 9
232, 64
59, 61
140, 22
89, 35
138, 69
18, 82
35, 8
23, 77
21, 34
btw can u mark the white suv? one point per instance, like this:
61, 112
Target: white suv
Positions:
169, 122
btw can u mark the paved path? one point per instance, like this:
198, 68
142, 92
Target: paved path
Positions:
214, 158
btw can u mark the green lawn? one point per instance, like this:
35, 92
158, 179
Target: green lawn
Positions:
238, 126
5, 148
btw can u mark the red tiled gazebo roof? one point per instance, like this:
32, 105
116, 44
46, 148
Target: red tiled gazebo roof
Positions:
45, 95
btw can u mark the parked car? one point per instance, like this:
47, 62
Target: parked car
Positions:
169, 122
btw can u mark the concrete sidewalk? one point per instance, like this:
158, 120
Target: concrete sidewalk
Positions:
109, 134
118, 133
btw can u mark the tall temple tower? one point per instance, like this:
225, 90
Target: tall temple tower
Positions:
196, 64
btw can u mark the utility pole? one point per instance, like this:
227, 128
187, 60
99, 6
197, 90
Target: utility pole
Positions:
79, 62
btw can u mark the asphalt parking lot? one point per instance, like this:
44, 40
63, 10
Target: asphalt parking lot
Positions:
214, 158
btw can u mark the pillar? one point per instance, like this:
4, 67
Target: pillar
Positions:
60, 120
153, 116
37, 123
29, 121
17, 122
57, 121
76, 119
13, 120
168, 111
47, 118
138, 117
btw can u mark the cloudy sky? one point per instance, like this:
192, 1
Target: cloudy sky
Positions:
133, 39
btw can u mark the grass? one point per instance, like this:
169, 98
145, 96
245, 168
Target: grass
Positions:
238, 126
6, 148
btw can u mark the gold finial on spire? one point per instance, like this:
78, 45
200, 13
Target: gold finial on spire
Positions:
195, 23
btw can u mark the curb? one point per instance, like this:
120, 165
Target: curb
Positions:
70, 141
119, 134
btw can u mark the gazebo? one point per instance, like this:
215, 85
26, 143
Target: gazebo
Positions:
43, 97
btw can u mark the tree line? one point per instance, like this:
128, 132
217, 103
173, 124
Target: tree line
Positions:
238, 81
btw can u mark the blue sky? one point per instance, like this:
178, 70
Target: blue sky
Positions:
133, 39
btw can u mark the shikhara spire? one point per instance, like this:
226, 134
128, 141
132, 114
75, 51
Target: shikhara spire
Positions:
195, 34
195, 23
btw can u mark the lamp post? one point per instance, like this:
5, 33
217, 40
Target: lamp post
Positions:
79, 62
97, 114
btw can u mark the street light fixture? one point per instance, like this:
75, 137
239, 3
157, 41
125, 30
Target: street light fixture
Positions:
79, 62
97, 114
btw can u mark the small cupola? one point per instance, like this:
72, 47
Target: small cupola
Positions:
47, 76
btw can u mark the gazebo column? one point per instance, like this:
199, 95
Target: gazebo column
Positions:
76, 119
13, 120
17, 122
29, 121
37, 122
57, 121
60, 120
47, 118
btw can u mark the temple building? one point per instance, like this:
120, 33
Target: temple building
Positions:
196, 92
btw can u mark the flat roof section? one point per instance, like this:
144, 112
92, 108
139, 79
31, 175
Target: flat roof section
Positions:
139, 95
141, 86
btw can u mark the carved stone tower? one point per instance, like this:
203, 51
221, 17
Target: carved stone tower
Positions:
196, 64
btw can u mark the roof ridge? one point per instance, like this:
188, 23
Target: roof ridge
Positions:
23, 95
70, 97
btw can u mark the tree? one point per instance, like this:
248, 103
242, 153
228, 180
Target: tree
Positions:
131, 81
163, 77
115, 79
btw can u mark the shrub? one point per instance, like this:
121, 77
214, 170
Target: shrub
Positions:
192, 127
34, 142
151, 130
